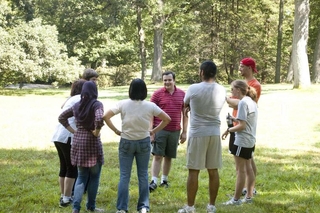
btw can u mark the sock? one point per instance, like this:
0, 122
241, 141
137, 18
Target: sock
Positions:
66, 199
155, 179
164, 178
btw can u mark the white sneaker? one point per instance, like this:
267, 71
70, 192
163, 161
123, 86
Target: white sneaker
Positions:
247, 200
211, 209
121, 211
143, 210
233, 202
187, 209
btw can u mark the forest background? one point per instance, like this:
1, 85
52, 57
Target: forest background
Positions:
53, 41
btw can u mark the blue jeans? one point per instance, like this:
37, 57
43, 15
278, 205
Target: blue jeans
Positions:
128, 150
93, 184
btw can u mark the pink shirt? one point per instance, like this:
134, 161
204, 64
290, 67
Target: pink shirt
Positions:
172, 104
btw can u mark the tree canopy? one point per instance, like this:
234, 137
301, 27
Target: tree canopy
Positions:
54, 40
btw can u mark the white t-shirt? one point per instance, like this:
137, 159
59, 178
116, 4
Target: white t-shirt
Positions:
136, 117
247, 111
61, 134
206, 101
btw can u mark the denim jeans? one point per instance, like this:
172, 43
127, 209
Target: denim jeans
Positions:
93, 184
128, 150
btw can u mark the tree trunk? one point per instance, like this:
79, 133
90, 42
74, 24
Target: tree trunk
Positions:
316, 61
158, 22
142, 48
279, 43
300, 65
290, 71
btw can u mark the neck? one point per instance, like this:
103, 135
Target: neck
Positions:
249, 78
170, 90
211, 80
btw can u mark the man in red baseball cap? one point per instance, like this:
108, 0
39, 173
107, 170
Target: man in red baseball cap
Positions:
249, 62
247, 69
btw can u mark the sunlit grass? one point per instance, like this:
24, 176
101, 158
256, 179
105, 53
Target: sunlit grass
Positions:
287, 156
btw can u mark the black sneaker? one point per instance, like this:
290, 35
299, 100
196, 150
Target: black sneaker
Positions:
164, 184
63, 204
152, 186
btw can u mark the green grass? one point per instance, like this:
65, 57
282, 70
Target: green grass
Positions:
287, 156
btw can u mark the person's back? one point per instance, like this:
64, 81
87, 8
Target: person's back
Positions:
136, 117
206, 102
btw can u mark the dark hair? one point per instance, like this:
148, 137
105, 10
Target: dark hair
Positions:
89, 73
76, 87
209, 70
138, 90
245, 89
168, 73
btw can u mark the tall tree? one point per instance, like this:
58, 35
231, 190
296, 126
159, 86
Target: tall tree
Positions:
141, 35
158, 24
299, 46
316, 60
279, 43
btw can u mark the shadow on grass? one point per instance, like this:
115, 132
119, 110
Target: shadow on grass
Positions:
24, 92
287, 182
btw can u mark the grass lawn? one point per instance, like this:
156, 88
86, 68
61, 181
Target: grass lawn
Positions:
287, 156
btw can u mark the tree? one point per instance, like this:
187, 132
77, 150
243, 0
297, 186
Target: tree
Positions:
158, 24
141, 34
31, 51
316, 60
299, 45
279, 43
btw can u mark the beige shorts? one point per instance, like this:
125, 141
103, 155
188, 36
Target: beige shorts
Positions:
204, 152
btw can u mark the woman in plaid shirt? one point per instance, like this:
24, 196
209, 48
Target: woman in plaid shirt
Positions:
86, 151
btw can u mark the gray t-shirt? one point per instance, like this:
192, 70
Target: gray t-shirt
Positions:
247, 111
206, 101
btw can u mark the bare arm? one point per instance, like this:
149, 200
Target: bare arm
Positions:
232, 102
241, 126
107, 118
185, 120
165, 120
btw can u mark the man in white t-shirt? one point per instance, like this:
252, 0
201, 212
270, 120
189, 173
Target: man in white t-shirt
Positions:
205, 101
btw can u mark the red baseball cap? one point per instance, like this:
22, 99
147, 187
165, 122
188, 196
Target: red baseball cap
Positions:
250, 63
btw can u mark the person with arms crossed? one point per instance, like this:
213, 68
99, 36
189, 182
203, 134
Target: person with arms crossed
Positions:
170, 99
247, 69
136, 114
245, 139
86, 150
205, 101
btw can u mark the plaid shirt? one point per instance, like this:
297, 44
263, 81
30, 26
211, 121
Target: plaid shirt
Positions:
86, 150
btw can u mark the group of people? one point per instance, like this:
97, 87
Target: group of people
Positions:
158, 126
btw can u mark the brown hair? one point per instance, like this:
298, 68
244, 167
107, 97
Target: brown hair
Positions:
76, 87
245, 89
89, 73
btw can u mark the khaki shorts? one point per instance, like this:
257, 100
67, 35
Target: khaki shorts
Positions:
204, 152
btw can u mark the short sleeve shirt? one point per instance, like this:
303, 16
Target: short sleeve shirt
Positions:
172, 104
136, 117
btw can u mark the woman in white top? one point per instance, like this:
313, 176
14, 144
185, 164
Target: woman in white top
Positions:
62, 139
136, 114
245, 138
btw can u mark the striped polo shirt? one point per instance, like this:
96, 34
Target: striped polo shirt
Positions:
172, 104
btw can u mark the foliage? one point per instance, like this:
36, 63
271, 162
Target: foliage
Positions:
116, 76
30, 51
223, 31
